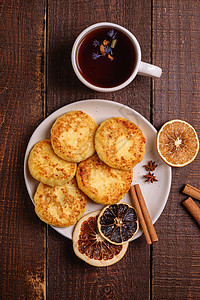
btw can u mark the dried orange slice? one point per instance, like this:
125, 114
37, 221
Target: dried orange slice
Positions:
91, 247
118, 223
177, 143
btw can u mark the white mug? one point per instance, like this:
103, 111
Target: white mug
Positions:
141, 68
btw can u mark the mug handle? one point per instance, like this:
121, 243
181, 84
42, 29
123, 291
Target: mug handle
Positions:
149, 70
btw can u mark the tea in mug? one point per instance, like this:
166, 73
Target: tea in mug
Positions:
106, 57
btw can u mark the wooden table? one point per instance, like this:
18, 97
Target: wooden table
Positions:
36, 79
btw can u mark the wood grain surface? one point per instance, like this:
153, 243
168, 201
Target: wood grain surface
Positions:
36, 78
176, 262
22, 237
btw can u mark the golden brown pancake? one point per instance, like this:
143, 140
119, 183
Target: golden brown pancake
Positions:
72, 136
60, 206
45, 166
101, 183
120, 143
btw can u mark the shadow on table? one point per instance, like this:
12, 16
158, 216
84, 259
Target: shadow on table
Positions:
60, 74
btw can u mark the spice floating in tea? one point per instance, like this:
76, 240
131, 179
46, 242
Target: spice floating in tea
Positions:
106, 47
106, 57
114, 43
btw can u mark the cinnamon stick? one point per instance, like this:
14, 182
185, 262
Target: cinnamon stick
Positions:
191, 191
143, 214
136, 204
192, 208
146, 215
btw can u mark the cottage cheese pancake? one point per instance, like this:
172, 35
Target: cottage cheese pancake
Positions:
120, 143
60, 206
47, 167
72, 136
102, 183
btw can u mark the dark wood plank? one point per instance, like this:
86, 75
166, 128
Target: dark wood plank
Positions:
22, 236
76, 279
176, 42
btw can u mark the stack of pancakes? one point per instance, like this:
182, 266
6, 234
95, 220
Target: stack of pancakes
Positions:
83, 160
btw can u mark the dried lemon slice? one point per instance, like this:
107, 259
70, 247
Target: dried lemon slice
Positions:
91, 247
118, 223
177, 143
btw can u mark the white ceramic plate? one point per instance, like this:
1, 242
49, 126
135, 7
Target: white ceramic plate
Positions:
155, 194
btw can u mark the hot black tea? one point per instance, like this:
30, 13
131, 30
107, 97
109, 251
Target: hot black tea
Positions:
106, 57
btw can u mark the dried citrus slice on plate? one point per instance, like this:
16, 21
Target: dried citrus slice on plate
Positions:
118, 223
91, 247
177, 143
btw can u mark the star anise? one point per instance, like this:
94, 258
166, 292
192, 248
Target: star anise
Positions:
151, 166
150, 177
